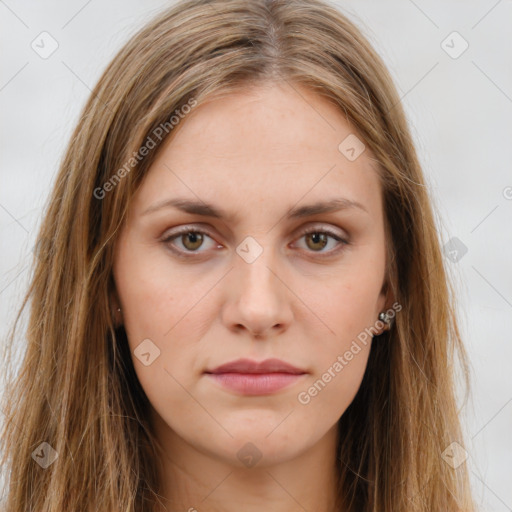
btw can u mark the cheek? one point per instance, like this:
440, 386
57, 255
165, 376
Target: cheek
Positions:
159, 317
339, 368
346, 303
164, 315
154, 295
347, 307
329, 394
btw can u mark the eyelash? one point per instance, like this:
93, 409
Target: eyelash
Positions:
191, 254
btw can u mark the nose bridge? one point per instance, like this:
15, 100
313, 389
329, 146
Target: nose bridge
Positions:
260, 297
259, 301
256, 265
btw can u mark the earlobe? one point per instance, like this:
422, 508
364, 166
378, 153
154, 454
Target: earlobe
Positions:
387, 319
386, 316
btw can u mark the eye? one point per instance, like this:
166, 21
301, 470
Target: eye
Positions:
318, 239
192, 239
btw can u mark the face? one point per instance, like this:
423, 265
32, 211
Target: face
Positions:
255, 276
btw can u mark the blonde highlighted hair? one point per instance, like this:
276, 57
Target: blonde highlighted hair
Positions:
77, 389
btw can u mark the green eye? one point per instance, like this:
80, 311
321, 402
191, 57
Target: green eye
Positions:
318, 239
192, 240
195, 238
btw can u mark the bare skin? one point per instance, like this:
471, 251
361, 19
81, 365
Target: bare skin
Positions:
304, 299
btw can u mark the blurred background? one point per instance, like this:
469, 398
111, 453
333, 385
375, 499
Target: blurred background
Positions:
452, 64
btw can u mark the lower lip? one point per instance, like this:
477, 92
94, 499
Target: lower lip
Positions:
255, 383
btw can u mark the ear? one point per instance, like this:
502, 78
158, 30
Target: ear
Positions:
386, 300
115, 305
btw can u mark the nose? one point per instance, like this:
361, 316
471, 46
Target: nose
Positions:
259, 301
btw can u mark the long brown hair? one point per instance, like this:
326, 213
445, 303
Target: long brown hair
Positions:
77, 389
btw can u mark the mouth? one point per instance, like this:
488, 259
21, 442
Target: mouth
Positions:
247, 377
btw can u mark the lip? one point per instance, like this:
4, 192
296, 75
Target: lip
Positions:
248, 377
254, 367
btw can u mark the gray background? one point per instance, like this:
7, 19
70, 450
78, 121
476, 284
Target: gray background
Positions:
460, 111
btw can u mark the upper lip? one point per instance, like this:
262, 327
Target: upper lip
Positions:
249, 366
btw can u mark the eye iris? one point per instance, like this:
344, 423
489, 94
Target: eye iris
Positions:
317, 238
196, 238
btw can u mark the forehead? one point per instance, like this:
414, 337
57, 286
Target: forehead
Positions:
263, 147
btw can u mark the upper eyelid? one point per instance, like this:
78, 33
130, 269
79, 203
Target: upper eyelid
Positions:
298, 232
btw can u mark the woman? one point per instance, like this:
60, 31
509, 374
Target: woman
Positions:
239, 299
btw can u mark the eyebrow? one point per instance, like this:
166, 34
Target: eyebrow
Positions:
209, 210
